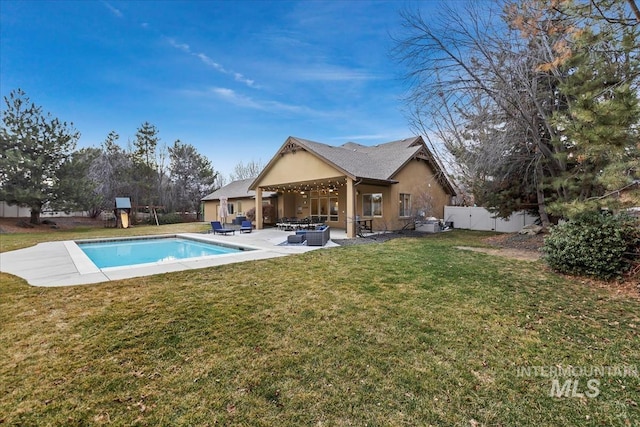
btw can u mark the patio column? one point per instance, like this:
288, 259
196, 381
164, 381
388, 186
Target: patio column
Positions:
259, 224
351, 209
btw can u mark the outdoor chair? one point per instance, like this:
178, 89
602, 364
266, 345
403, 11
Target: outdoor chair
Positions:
216, 227
246, 227
318, 237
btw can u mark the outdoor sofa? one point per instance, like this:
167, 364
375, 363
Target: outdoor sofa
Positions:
318, 237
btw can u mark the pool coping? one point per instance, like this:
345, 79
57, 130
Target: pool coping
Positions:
63, 263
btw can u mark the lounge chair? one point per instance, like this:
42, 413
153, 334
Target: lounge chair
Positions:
246, 227
216, 227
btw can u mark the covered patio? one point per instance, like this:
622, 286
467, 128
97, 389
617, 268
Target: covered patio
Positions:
302, 204
350, 187
332, 201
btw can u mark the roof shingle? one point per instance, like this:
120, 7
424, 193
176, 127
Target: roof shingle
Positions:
236, 190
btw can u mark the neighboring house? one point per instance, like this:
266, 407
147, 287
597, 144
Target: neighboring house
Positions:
386, 183
239, 200
16, 211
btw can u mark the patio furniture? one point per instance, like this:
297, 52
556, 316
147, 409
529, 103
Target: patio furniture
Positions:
296, 238
363, 225
318, 237
291, 224
239, 219
216, 227
246, 227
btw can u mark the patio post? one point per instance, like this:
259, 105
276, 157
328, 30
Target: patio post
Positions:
259, 224
351, 209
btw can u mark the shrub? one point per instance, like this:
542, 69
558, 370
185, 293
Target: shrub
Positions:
170, 218
594, 244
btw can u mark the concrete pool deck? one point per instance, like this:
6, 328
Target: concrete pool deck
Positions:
59, 263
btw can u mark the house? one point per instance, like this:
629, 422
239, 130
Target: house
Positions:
387, 184
239, 200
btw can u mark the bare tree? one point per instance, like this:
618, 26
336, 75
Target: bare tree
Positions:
112, 171
491, 89
250, 170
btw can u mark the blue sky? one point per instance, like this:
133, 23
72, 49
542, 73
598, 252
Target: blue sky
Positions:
232, 78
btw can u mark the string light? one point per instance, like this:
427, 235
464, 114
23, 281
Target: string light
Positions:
330, 185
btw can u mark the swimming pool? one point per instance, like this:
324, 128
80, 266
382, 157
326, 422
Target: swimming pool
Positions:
130, 252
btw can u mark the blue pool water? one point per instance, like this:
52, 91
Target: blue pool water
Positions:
120, 253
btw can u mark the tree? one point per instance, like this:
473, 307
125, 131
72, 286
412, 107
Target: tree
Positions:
250, 170
144, 160
473, 86
76, 189
192, 176
112, 171
33, 148
599, 125
500, 90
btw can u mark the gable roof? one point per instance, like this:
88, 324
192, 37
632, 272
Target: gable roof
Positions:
236, 190
379, 162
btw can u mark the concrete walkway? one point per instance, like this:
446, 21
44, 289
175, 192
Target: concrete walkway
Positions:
64, 263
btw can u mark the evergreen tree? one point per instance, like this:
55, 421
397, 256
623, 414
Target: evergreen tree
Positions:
599, 127
33, 148
192, 176
76, 189
144, 160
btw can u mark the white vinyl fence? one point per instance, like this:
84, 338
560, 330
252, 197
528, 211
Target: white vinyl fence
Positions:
15, 211
474, 218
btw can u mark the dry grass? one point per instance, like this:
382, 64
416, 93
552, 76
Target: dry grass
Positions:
409, 332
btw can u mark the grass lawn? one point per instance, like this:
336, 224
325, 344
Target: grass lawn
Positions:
408, 332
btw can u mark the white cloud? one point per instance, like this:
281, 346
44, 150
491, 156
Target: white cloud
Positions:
211, 63
234, 98
113, 10
325, 72
242, 79
182, 46
240, 100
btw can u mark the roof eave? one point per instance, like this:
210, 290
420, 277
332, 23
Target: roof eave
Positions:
297, 141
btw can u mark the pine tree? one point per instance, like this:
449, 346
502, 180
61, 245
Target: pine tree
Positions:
599, 129
144, 159
33, 148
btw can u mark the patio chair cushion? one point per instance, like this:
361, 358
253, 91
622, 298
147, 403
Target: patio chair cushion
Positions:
217, 227
296, 238
246, 227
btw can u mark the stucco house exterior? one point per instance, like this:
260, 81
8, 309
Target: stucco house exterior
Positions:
239, 200
385, 183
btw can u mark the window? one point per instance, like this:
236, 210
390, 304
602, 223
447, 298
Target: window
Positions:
230, 208
333, 209
405, 205
372, 204
323, 207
